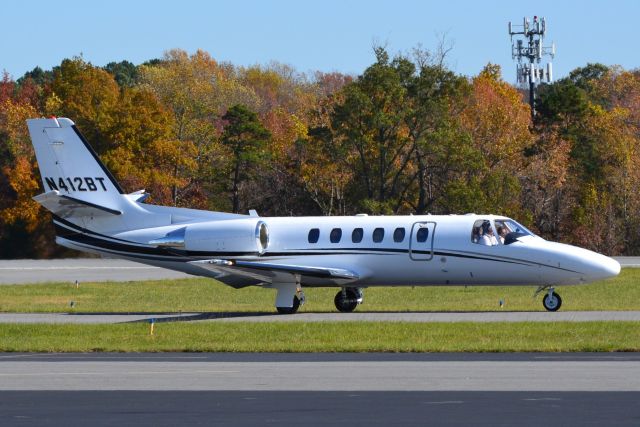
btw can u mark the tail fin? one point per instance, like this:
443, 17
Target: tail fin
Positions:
69, 167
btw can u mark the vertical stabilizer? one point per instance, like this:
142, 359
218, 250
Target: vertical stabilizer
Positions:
69, 165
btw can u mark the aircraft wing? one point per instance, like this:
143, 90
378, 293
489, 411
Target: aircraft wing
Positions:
267, 272
66, 206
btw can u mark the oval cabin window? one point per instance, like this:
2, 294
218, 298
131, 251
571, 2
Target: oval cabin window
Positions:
378, 235
422, 235
398, 235
356, 235
336, 235
314, 235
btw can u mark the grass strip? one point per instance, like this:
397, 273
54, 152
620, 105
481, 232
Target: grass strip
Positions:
207, 295
324, 337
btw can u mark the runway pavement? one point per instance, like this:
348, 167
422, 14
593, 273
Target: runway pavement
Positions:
102, 270
26, 271
320, 389
533, 316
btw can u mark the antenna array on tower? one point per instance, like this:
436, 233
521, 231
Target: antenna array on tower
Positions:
530, 46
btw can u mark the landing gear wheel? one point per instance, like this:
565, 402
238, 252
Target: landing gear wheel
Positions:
290, 310
552, 301
346, 301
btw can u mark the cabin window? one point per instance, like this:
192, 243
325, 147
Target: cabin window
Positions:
378, 235
356, 235
314, 235
398, 234
422, 235
336, 235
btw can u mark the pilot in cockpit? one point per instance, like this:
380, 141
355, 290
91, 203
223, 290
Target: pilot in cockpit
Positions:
488, 238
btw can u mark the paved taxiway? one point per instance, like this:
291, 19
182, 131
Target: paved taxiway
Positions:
101, 270
320, 389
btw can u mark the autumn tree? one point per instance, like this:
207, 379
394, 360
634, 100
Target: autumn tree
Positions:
497, 122
197, 90
24, 231
593, 111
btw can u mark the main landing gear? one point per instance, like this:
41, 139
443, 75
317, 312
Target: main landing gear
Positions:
297, 302
347, 299
289, 298
551, 300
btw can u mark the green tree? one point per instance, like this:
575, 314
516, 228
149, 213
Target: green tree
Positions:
124, 72
369, 121
246, 137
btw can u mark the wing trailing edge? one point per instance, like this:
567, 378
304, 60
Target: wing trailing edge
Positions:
267, 272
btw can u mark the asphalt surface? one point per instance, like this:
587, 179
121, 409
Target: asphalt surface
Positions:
516, 316
102, 270
25, 271
337, 408
320, 389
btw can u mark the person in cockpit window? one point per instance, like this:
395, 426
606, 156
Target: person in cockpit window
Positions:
488, 238
502, 233
476, 235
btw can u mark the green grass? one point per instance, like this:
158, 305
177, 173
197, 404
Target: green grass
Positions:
324, 337
197, 295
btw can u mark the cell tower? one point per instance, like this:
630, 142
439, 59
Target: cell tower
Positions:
533, 72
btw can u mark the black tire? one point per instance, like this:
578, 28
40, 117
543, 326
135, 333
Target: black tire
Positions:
290, 310
346, 303
552, 303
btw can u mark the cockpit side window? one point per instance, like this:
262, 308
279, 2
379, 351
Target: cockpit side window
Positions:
482, 233
510, 231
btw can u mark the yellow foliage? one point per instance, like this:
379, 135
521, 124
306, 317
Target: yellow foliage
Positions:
13, 116
25, 185
497, 120
53, 104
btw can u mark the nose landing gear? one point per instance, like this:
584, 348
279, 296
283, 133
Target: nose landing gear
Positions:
347, 299
551, 301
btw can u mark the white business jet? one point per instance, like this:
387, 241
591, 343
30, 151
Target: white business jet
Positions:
92, 213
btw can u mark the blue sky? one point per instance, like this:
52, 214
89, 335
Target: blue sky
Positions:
325, 35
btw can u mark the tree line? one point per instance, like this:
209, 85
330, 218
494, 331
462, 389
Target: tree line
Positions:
408, 135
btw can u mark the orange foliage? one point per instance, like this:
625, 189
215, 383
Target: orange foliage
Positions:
25, 185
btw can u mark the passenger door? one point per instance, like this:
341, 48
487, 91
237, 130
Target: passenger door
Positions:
421, 242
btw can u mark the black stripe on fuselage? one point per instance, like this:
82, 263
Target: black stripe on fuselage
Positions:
96, 241
132, 247
78, 229
135, 248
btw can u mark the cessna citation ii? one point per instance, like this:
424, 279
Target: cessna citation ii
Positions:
92, 213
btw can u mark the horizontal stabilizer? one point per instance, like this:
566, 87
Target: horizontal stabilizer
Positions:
266, 272
67, 207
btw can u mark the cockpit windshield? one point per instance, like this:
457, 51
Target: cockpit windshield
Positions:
506, 231
510, 231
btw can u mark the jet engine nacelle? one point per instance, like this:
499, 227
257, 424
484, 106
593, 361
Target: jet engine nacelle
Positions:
250, 236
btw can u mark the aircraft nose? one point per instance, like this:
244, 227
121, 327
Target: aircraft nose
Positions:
599, 267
